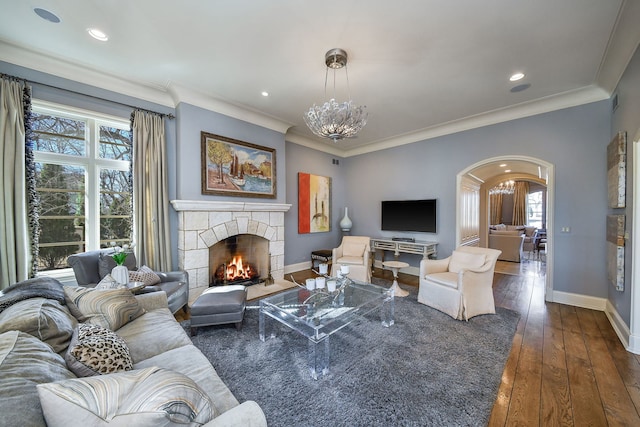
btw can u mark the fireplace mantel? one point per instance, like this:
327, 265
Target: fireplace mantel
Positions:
211, 206
203, 223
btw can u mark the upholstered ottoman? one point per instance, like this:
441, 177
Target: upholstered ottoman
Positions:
219, 305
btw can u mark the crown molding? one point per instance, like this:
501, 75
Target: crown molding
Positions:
193, 97
167, 95
333, 148
543, 105
44, 63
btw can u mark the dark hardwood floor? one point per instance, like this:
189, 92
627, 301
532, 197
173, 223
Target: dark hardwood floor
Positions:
567, 367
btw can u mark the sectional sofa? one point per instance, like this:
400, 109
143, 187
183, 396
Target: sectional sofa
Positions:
51, 373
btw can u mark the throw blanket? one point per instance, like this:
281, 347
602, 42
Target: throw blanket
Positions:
40, 287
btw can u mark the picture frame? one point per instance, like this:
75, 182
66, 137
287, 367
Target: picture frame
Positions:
615, 250
617, 170
314, 203
236, 168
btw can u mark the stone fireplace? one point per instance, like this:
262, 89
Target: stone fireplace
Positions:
203, 224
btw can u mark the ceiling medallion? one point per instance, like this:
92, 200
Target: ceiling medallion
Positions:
334, 120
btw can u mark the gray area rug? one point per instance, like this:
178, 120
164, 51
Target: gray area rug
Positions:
426, 370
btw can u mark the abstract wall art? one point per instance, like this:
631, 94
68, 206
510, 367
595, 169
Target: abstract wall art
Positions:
314, 203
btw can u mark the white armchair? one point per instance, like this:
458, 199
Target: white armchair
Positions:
354, 251
460, 285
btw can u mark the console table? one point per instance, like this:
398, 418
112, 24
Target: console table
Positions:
419, 247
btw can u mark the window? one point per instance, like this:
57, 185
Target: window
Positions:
83, 179
534, 209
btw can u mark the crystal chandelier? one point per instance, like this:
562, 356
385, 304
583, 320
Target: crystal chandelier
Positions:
506, 187
334, 120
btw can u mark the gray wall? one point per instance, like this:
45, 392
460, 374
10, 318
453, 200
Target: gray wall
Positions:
191, 121
627, 118
298, 247
573, 139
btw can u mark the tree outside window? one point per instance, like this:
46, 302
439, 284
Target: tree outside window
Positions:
83, 180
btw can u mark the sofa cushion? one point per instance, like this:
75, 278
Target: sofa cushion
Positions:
95, 350
141, 335
190, 361
45, 319
110, 308
25, 361
350, 260
148, 397
506, 232
529, 231
448, 279
465, 260
145, 275
106, 263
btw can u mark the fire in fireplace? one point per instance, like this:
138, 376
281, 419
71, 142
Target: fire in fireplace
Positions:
235, 270
239, 259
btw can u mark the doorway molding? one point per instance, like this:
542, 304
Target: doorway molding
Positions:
634, 327
550, 167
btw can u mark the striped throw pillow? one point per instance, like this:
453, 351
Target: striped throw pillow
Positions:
146, 397
110, 308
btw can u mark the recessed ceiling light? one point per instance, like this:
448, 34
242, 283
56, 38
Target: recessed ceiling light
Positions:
46, 15
503, 165
265, 93
97, 34
507, 170
517, 76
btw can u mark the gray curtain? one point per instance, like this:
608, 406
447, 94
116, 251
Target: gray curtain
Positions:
520, 193
150, 191
495, 201
15, 251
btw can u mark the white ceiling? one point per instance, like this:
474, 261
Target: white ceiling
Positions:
423, 68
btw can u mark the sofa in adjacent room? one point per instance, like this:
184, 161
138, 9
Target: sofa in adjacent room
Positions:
147, 372
509, 239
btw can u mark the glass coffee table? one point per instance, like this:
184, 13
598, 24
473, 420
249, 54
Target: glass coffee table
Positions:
318, 314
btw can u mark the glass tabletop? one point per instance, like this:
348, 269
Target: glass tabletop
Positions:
318, 314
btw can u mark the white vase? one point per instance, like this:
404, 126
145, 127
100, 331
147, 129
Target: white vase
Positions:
120, 274
345, 223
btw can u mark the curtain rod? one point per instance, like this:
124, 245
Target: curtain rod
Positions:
169, 116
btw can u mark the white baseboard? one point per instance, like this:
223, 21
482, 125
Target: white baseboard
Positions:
578, 300
621, 328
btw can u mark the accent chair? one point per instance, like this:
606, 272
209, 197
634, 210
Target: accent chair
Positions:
354, 251
461, 284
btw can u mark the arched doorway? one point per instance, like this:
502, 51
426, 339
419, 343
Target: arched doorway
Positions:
490, 171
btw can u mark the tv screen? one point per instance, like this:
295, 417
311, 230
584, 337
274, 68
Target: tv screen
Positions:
409, 215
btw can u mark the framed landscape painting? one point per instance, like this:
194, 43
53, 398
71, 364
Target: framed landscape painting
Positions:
236, 168
314, 203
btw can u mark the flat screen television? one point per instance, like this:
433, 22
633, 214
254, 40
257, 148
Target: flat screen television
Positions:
409, 215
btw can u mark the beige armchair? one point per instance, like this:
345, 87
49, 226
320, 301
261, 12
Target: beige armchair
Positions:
354, 251
460, 285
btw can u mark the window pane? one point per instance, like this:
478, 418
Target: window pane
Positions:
115, 143
115, 206
61, 190
534, 209
59, 135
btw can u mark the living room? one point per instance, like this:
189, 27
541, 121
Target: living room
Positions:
573, 138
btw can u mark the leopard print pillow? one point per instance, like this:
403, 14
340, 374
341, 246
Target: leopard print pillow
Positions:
95, 350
